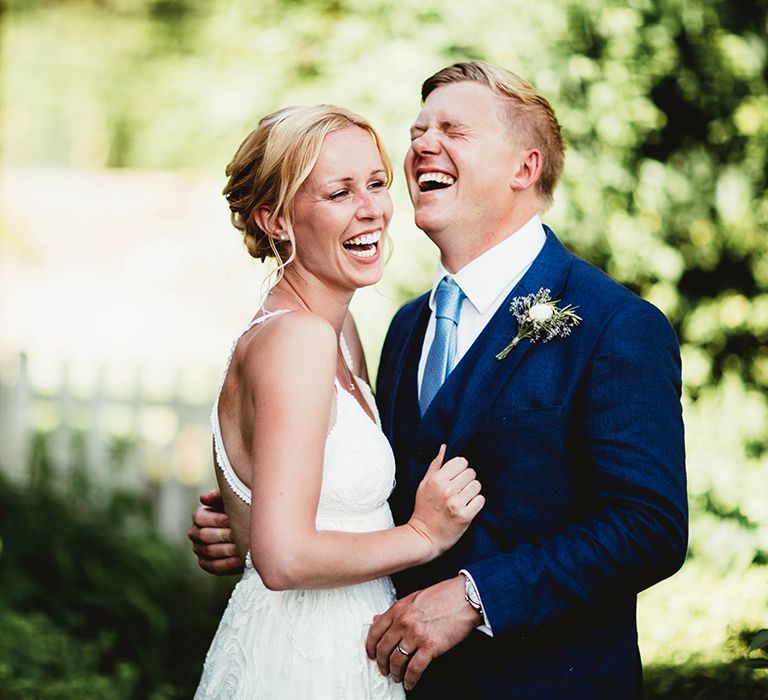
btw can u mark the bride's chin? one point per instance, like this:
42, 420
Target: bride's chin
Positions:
367, 275
374, 276
367, 282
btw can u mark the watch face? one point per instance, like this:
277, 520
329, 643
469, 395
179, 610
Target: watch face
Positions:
472, 596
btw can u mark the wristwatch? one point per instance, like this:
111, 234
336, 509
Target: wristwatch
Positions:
471, 595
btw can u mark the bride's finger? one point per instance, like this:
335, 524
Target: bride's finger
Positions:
474, 507
452, 468
437, 462
471, 490
463, 478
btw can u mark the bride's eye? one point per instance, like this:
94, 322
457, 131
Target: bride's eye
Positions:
338, 195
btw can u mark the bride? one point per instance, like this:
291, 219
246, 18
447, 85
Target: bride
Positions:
302, 464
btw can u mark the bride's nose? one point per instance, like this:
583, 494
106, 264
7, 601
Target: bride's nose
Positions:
370, 207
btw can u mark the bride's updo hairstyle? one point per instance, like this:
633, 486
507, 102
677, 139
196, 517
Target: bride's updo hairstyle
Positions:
273, 162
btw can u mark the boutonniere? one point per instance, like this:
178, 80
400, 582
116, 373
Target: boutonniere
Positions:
539, 318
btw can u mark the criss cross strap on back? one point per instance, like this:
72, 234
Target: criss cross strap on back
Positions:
234, 481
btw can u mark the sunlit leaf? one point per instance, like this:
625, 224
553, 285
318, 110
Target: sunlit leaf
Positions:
760, 640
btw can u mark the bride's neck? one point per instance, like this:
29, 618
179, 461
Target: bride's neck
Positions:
312, 295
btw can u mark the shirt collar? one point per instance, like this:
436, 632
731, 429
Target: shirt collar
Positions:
487, 276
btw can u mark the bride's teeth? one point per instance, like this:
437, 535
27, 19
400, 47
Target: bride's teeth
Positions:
367, 253
366, 239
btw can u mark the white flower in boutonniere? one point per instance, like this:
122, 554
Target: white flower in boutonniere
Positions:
539, 318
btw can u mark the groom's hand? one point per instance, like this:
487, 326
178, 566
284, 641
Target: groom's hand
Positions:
211, 537
425, 624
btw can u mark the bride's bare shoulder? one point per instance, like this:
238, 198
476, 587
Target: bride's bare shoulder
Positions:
295, 344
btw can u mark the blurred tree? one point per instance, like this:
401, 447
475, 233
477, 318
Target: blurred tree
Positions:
678, 101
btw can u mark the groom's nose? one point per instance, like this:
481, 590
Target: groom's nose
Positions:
426, 143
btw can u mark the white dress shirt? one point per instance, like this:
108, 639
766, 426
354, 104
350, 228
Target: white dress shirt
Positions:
486, 281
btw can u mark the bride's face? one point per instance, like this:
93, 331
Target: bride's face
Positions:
342, 211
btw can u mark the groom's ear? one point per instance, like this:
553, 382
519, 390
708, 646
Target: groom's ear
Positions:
527, 170
273, 226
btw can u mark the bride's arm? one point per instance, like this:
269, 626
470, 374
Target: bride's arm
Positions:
290, 390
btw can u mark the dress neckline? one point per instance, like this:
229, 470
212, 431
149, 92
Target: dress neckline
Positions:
368, 397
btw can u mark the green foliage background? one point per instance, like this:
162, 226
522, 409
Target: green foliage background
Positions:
664, 104
93, 603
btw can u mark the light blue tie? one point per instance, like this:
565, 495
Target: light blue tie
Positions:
439, 364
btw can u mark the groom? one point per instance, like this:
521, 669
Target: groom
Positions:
578, 441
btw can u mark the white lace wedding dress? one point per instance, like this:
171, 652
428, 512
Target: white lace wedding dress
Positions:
309, 644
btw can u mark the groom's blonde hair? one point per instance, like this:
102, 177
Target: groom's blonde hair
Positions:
531, 119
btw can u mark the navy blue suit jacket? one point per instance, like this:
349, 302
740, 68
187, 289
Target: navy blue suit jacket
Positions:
578, 443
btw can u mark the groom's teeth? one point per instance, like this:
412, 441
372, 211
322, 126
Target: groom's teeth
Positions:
435, 180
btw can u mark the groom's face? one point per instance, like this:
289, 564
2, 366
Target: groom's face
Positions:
460, 163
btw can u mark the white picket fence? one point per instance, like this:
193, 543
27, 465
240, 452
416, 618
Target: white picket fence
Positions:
135, 437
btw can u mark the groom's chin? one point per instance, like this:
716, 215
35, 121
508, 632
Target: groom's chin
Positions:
429, 221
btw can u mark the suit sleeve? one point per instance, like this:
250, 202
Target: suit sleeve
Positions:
631, 450
384, 378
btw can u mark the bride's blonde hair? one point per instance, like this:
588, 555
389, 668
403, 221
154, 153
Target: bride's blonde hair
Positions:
273, 162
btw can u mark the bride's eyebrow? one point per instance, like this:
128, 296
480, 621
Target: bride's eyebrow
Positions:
349, 178
337, 181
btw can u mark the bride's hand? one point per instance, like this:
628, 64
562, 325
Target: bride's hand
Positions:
447, 500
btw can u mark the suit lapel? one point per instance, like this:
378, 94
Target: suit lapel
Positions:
404, 384
471, 389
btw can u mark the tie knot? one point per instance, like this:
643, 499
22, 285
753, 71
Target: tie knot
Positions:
448, 300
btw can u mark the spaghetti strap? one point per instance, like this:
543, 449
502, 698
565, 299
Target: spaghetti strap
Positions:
231, 477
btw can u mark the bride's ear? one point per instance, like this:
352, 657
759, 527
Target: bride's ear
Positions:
274, 227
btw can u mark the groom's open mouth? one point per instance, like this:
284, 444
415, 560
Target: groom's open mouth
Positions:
363, 246
433, 180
